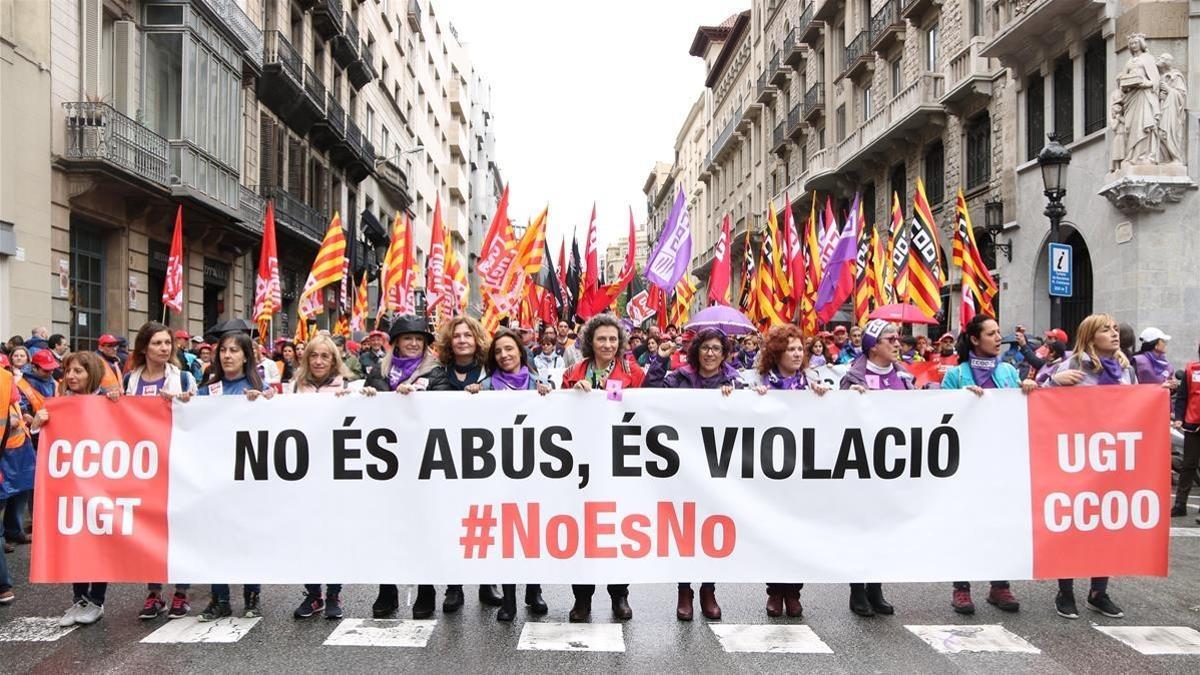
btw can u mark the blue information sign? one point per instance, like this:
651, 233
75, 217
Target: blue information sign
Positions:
1061, 282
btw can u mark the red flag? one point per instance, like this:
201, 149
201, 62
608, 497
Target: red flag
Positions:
718, 281
793, 249
611, 291
437, 291
267, 293
591, 301
173, 285
561, 272
497, 266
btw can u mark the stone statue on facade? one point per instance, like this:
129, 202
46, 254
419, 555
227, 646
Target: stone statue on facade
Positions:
1172, 96
1140, 105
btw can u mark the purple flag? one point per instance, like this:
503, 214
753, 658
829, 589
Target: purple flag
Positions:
838, 282
672, 255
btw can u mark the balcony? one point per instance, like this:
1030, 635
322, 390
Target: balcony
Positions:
915, 9
765, 92
777, 74
822, 170
795, 122
294, 216
916, 107
1022, 22
344, 45
251, 209
856, 58
357, 154
98, 134
455, 95
313, 104
246, 34
814, 102
459, 142
794, 51
456, 183
809, 29
281, 86
306, 4
330, 129
362, 71
390, 177
887, 26
723, 140
414, 16
827, 10
969, 76
779, 139
327, 18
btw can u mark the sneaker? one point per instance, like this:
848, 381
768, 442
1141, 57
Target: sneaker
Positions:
1003, 599
215, 610
153, 607
89, 614
253, 611
961, 601
6, 597
1100, 602
179, 606
1064, 604
311, 605
333, 607
71, 616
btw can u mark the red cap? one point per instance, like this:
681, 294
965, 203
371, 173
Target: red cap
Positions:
202, 346
108, 339
688, 335
352, 346
824, 334
45, 359
839, 329
1057, 334
183, 335
379, 334
946, 336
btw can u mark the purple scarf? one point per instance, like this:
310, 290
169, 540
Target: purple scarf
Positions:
502, 379
816, 361
402, 368
726, 374
890, 380
778, 381
1151, 368
983, 369
1110, 371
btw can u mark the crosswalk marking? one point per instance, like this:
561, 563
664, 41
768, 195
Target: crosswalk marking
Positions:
191, 630
381, 633
33, 629
972, 638
771, 639
1156, 640
572, 637
1185, 531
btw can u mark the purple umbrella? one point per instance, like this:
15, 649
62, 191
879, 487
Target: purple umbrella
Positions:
727, 319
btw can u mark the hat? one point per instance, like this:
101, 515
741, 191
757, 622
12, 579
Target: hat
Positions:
946, 336
352, 346
839, 329
874, 330
824, 334
45, 359
196, 339
1153, 335
202, 346
1056, 334
108, 339
379, 334
182, 335
688, 335
406, 324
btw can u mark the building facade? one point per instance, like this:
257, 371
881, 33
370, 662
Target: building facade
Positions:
218, 106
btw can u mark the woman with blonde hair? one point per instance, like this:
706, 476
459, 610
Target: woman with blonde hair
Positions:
461, 346
320, 368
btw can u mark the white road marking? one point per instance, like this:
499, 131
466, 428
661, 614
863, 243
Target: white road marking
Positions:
572, 637
972, 638
1185, 531
771, 639
1156, 640
33, 629
190, 630
381, 633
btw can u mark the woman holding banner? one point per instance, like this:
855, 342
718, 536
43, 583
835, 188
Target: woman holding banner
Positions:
603, 365
781, 367
154, 371
461, 347
875, 370
234, 374
706, 368
979, 368
1096, 361
508, 365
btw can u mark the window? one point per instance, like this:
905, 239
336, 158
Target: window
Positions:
383, 142
163, 64
87, 287
1095, 81
841, 122
935, 174
869, 206
898, 185
897, 77
976, 17
368, 125
931, 48
868, 104
979, 150
1064, 97
1035, 116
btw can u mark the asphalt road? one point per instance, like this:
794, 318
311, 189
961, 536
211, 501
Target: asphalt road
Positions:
472, 640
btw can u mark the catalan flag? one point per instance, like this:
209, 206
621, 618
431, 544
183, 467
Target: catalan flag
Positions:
925, 275
397, 274
531, 248
813, 268
327, 269
978, 288
770, 298
876, 272
358, 318
685, 291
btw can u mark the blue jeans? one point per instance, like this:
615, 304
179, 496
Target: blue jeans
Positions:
220, 592
14, 514
330, 589
5, 577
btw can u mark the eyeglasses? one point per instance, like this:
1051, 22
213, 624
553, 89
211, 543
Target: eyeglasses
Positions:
891, 338
711, 349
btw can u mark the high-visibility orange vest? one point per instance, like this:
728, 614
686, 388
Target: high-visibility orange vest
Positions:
10, 405
35, 398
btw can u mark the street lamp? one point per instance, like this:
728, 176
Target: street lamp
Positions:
993, 220
1053, 160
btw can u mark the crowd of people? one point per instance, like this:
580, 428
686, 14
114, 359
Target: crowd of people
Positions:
409, 358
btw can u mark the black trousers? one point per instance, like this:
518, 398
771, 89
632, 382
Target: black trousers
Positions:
1187, 472
586, 591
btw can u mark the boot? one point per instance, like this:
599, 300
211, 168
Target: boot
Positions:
508, 606
1179, 510
683, 611
490, 595
581, 611
708, 603
533, 600
426, 599
875, 597
858, 601
387, 602
774, 602
454, 599
791, 602
620, 608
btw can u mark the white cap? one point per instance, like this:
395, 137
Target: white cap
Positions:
1151, 334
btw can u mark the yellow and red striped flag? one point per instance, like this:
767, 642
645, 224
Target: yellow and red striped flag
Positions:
358, 318
896, 280
876, 272
862, 267
770, 301
685, 291
532, 247
809, 322
979, 289
925, 275
327, 269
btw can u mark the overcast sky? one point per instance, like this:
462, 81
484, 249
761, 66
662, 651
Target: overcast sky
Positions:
587, 96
